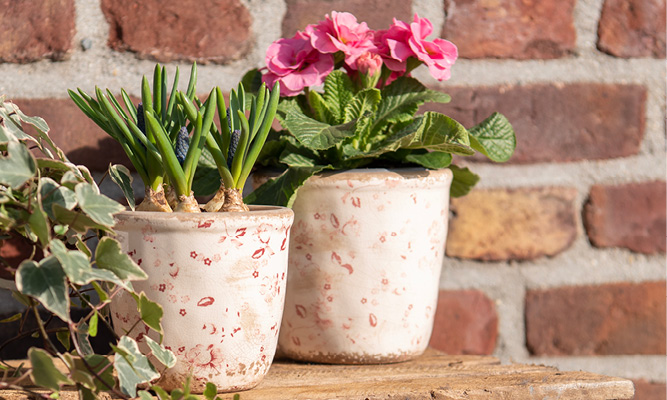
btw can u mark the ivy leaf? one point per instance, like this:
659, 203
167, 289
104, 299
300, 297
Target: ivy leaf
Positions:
98, 207
313, 134
110, 256
53, 193
77, 267
83, 339
45, 282
132, 367
76, 220
431, 160
151, 313
494, 137
282, 190
401, 100
44, 372
39, 225
338, 92
166, 357
210, 391
18, 166
123, 178
463, 181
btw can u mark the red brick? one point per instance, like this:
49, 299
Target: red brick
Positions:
465, 323
559, 123
378, 14
611, 319
82, 141
203, 30
519, 224
630, 216
645, 390
633, 28
34, 30
511, 28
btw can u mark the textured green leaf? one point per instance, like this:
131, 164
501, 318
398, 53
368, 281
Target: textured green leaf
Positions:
463, 181
494, 137
432, 160
98, 207
44, 372
18, 166
151, 313
338, 92
319, 107
281, 191
110, 256
53, 193
45, 282
316, 135
166, 357
439, 132
363, 102
132, 367
401, 100
123, 178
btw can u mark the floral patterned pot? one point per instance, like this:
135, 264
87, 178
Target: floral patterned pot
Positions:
220, 278
364, 266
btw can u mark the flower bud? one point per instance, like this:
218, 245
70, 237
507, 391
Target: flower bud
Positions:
369, 66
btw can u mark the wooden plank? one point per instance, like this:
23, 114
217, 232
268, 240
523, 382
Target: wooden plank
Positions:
432, 376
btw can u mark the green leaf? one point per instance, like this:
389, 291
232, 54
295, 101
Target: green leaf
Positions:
319, 107
494, 137
439, 132
110, 256
338, 92
363, 102
44, 372
98, 207
463, 181
210, 391
18, 166
132, 367
166, 357
144, 395
151, 313
401, 100
123, 178
316, 135
63, 337
161, 393
83, 339
53, 193
207, 177
76, 220
101, 365
282, 190
92, 325
432, 160
13, 318
39, 225
45, 282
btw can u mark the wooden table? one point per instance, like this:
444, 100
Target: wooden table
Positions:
432, 376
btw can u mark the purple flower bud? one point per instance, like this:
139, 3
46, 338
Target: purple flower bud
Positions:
182, 144
236, 135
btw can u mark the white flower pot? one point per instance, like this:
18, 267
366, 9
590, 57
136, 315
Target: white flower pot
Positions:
365, 257
220, 278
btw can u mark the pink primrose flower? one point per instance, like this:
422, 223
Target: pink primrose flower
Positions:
296, 64
369, 64
342, 32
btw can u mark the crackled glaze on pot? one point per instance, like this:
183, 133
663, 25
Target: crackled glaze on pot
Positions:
364, 266
220, 278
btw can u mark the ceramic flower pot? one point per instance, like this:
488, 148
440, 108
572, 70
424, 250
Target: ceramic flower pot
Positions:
365, 257
220, 278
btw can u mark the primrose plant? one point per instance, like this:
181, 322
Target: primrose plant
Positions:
165, 135
367, 113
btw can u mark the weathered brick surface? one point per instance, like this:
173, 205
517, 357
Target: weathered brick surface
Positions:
645, 390
202, 30
82, 141
378, 14
511, 28
33, 30
633, 28
465, 323
559, 123
518, 224
630, 216
621, 318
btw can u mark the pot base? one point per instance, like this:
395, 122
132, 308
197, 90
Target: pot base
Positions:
353, 358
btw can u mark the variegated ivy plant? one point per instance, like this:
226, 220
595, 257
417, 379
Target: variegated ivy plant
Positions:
165, 135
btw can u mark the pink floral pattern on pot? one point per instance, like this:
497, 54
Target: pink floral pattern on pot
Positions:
364, 266
220, 278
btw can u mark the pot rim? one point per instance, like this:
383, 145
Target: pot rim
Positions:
441, 176
256, 211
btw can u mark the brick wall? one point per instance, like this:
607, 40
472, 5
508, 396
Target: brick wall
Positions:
558, 257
